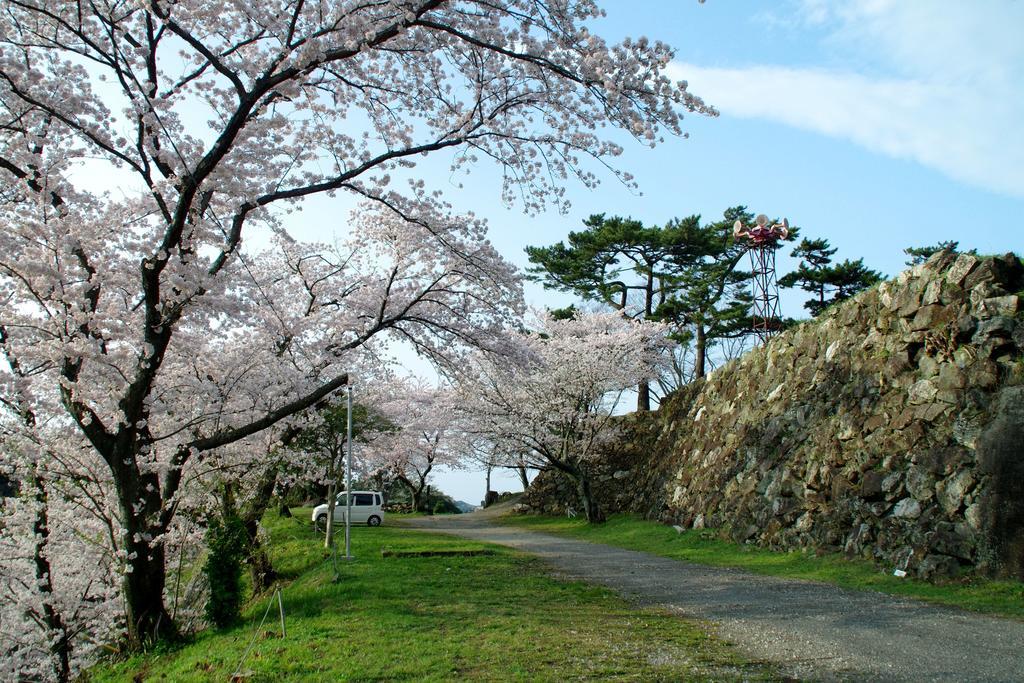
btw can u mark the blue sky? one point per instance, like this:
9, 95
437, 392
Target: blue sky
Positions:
877, 124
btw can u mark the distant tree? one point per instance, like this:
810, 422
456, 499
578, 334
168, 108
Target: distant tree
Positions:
327, 440
828, 283
425, 437
815, 256
619, 262
921, 254
815, 253
567, 313
554, 401
685, 273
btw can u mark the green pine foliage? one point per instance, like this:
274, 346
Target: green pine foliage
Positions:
614, 260
686, 272
827, 282
921, 254
711, 300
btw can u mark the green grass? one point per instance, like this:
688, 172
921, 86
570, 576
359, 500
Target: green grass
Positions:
1005, 598
497, 616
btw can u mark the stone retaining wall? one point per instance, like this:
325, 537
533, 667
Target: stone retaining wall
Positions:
892, 428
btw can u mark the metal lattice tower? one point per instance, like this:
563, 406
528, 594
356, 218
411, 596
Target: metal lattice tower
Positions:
762, 240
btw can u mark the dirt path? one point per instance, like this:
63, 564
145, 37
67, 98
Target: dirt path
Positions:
811, 630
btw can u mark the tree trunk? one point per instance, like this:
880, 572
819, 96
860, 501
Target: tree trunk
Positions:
336, 453
329, 527
699, 352
282, 507
416, 491
643, 390
56, 633
148, 619
260, 568
487, 488
643, 397
587, 501
521, 469
145, 574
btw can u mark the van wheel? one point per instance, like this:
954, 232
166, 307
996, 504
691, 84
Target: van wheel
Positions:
321, 523
373, 521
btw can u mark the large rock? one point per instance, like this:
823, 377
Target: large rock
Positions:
1000, 451
908, 508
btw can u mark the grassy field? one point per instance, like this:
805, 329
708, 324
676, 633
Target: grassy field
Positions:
415, 615
1004, 598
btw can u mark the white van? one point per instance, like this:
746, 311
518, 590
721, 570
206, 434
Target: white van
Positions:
367, 508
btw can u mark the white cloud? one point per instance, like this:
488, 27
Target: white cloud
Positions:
946, 91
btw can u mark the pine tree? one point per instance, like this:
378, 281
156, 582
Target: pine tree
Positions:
921, 254
684, 272
828, 283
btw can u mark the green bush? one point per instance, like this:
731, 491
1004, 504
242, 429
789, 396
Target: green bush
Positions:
225, 541
444, 505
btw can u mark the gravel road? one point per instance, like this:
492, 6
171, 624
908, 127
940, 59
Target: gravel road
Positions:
812, 631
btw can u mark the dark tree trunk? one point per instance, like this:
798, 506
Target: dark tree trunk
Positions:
487, 488
643, 390
260, 569
700, 352
415, 492
521, 470
643, 397
143, 584
282, 507
51, 618
148, 619
591, 509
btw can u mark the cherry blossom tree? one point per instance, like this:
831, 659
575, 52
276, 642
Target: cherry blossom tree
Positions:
426, 436
482, 452
303, 311
57, 571
142, 143
556, 403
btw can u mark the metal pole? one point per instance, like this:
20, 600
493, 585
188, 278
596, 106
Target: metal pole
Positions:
348, 477
280, 607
